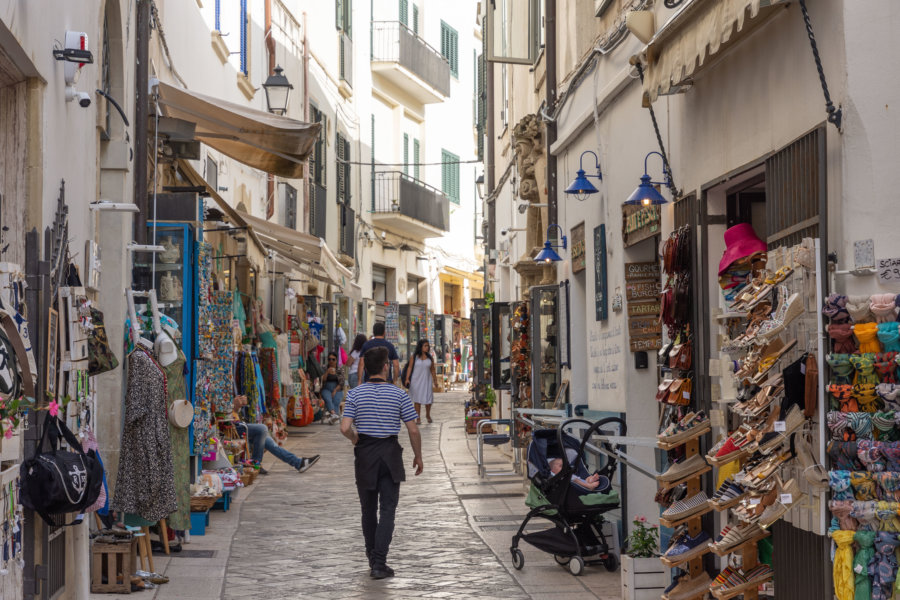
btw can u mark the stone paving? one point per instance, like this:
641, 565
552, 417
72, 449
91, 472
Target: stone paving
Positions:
296, 535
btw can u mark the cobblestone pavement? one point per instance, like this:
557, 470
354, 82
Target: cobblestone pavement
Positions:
299, 534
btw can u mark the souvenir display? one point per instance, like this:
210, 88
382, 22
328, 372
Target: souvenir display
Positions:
172, 253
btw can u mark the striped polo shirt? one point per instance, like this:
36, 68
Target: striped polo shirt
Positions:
378, 408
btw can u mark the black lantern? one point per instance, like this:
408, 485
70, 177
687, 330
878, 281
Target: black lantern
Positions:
278, 92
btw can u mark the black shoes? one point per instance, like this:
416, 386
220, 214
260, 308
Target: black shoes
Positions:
263, 471
306, 463
381, 572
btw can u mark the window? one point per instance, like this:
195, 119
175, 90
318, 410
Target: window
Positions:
513, 31
406, 154
416, 159
317, 210
218, 15
404, 12
415, 19
318, 156
245, 68
450, 175
480, 103
342, 147
212, 173
343, 13
288, 206
348, 230
450, 47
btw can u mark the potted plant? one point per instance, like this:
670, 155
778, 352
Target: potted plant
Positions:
643, 575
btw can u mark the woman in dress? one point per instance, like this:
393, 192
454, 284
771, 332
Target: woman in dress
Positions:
352, 366
420, 378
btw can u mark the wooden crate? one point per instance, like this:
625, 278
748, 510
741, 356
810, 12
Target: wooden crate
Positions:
112, 560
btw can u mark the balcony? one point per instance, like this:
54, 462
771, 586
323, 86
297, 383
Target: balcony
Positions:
404, 59
409, 207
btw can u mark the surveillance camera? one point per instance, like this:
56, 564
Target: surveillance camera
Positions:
383, 235
504, 231
523, 208
83, 99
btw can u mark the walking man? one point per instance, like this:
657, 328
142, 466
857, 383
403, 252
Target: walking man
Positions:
378, 341
377, 408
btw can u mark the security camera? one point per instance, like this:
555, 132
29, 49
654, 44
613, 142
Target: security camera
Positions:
523, 208
504, 231
383, 235
83, 99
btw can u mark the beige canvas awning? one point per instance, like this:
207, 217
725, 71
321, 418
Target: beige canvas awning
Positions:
271, 143
689, 39
310, 255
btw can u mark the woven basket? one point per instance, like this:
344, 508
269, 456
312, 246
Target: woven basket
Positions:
203, 503
248, 476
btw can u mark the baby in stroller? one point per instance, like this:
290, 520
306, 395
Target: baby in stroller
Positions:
593, 483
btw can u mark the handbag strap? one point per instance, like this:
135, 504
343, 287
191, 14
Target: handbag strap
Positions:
12, 334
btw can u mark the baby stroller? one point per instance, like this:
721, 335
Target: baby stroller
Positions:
576, 537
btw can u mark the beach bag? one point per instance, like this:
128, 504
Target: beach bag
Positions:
60, 481
100, 356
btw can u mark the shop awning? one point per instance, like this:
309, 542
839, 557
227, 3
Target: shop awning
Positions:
236, 218
310, 255
686, 42
271, 143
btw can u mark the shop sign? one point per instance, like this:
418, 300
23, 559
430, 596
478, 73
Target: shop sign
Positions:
643, 290
639, 223
644, 327
642, 270
578, 248
601, 302
888, 270
643, 309
645, 344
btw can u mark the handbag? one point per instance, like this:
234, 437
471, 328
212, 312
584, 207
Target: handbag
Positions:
662, 392
181, 414
100, 356
683, 358
60, 481
673, 355
407, 370
680, 392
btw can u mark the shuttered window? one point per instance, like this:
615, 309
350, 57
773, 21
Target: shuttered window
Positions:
416, 159
404, 12
450, 47
406, 154
318, 156
288, 206
415, 19
245, 69
450, 175
342, 148
348, 230
343, 12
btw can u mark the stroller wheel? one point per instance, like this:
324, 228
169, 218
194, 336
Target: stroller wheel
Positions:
576, 566
561, 560
611, 563
518, 559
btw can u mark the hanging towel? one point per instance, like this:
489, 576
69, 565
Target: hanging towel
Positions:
843, 564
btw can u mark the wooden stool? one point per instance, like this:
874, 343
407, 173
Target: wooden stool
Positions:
164, 535
112, 560
144, 550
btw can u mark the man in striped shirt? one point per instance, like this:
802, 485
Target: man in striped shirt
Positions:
377, 408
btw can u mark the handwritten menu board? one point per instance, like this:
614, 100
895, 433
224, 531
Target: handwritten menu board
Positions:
642, 291
888, 270
392, 322
601, 300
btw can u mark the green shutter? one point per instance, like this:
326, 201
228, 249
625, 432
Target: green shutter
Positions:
450, 175
415, 19
406, 154
450, 47
348, 18
339, 14
372, 146
416, 158
404, 12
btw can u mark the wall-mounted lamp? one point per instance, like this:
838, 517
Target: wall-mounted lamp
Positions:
479, 186
646, 194
581, 187
548, 254
278, 92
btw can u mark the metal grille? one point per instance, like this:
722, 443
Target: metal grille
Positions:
795, 187
56, 565
802, 563
683, 211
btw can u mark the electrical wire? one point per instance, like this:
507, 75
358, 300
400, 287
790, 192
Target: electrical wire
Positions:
421, 164
154, 18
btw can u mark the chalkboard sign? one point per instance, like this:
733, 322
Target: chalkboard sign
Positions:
601, 302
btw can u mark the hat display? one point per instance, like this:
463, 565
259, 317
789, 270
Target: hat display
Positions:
740, 241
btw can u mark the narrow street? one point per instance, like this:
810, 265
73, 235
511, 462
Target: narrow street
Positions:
298, 536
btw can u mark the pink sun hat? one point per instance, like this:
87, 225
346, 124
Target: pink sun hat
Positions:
740, 241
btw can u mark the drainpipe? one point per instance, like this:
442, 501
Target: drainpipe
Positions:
270, 51
141, 115
550, 57
489, 175
306, 188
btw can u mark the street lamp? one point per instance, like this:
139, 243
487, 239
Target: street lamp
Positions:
479, 186
581, 187
548, 254
278, 92
646, 194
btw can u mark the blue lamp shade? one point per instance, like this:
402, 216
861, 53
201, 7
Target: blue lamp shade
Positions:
581, 185
548, 254
645, 194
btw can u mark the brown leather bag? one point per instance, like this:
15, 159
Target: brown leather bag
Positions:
662, 392
683, 359
680, 392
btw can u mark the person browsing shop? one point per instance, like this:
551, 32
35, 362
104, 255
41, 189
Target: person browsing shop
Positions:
333, 388
376, 409
378, 341
259, 440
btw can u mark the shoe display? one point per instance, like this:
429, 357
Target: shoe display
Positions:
685, 508
735, 536
683, 469
788, 496
689, 588
688, 547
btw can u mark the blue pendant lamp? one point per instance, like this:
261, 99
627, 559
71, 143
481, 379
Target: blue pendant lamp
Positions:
646, 194
581, 188
548, 254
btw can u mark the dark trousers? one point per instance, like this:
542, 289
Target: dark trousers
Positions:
378, 529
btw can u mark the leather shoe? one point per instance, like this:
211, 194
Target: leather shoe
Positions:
381, 572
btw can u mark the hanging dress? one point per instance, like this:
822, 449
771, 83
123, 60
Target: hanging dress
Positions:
177, 390
145, 482
420, 382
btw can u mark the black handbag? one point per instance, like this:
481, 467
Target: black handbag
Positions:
60, 481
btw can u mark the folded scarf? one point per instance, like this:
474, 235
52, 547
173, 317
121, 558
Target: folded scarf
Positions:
842, 397
891, 453
843, 509
883, 568
886, 367
843, 564
889, 394
841, 369
871, 455
888, 486
843, 456
867, 334
858, 307
865, 553
889, 336
839, 482
835, 309
863, 485
883, 307
865, 368
841, 335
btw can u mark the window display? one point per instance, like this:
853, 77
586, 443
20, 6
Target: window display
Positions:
545, 345
501, 334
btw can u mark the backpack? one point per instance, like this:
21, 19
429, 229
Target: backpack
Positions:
60, 481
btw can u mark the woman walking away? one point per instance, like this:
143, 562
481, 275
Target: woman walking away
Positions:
420, 378
333, 388
352, 366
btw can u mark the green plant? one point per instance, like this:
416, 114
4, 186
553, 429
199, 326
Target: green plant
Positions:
643, 541
489, 396
488, 299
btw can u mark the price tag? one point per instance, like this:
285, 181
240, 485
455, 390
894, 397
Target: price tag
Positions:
787, 498
888, 269
687, 395
858, 569
803, 368
754, 501
780, 426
